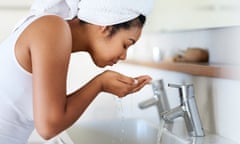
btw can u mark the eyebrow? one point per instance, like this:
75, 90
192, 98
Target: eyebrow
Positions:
133, 41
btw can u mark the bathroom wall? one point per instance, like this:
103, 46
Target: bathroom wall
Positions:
219, 98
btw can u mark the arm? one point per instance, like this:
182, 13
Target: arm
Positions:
50, 49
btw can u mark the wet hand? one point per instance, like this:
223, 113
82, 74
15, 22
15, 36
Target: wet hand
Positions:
140, 82
121, 85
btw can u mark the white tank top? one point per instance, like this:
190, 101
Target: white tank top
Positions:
16, 110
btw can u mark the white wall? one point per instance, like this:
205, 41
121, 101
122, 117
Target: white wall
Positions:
169, 15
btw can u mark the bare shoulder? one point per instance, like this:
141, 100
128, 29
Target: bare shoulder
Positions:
50, 22
49, 44
49, 29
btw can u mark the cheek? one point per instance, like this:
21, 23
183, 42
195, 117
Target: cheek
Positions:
111, 49
107, 50
102, 54
116, 52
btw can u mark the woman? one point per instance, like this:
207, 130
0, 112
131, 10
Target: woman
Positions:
34, 63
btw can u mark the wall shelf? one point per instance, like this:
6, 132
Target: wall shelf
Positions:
197, 69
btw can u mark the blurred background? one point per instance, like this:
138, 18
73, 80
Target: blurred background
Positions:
168, 15
173, 27
12, 11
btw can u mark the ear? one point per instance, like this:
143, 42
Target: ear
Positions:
106, 30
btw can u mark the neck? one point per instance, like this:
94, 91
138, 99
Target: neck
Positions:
80, 37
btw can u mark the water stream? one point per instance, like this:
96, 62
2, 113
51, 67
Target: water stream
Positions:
121, 112
160, 131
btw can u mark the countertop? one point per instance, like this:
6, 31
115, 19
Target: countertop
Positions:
197, 69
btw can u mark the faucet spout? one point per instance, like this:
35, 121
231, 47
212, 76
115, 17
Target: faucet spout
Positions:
148, 103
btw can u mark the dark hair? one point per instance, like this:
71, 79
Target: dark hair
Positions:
136, 22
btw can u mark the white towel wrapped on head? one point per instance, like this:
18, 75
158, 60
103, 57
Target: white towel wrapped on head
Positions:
67, 9
99, 12
110, 12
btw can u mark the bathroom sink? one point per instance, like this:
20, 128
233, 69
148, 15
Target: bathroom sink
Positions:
169, 138
132, 131
126, 131
129, 131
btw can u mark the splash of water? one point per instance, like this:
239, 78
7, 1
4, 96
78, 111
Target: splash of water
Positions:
160, 131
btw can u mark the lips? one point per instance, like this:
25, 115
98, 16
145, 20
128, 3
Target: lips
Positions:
112, 63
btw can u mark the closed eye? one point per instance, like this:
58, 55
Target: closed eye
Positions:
129, 43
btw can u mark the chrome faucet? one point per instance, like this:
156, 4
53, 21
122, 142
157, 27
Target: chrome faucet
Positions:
159, 98
187, 109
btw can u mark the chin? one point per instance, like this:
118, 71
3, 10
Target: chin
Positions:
100, 65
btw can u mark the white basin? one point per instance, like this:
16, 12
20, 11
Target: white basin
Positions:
113, 132
169, 138
134, 131
128, 131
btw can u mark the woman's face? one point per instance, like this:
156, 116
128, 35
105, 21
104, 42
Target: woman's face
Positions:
108, 50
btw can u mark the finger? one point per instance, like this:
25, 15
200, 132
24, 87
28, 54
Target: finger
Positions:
146, 78
135, 82
141, 84
138, 88
127, 80
143, 76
